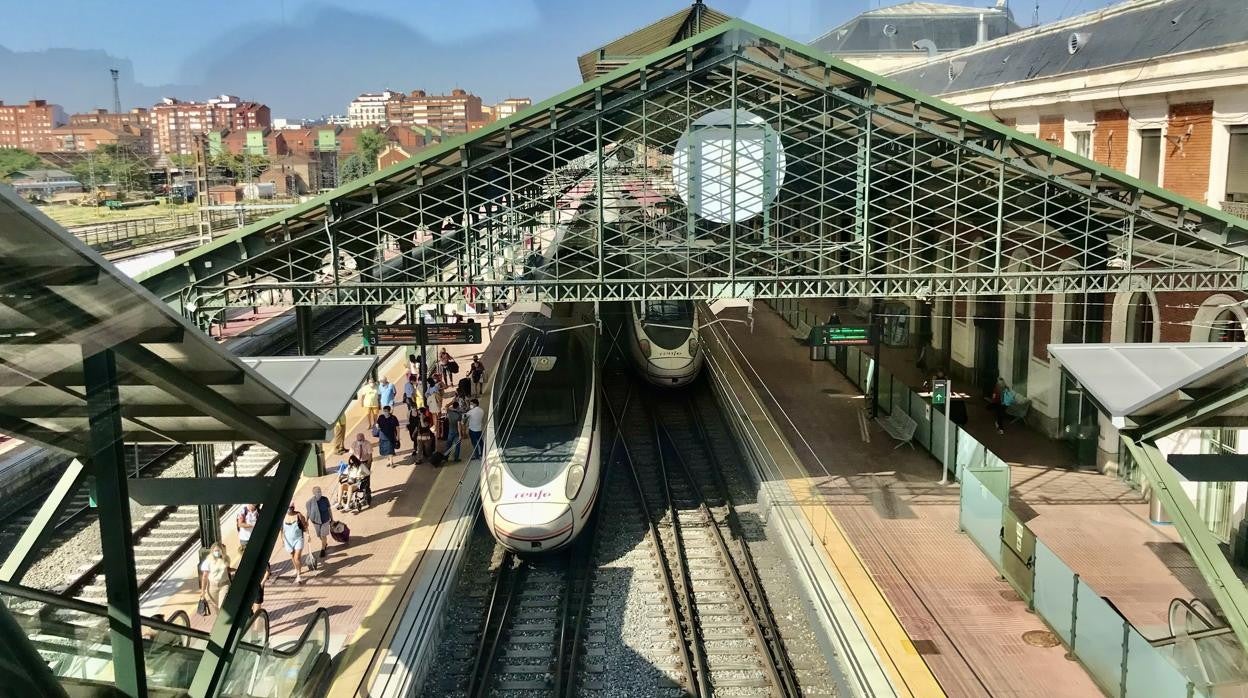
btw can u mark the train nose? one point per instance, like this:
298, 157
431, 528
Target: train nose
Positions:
533, 526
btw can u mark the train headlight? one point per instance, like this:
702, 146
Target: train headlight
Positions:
645, 348
576, 476
494, 482
693, 345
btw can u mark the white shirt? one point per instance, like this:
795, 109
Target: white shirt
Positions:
476, 419
244, 533
433, 399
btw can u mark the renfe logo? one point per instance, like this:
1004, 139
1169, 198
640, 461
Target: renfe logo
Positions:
533, 494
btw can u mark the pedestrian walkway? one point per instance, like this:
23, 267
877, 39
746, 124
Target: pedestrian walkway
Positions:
1137, 565
965, 623
360, 584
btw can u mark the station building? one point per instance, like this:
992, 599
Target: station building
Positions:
1154, 88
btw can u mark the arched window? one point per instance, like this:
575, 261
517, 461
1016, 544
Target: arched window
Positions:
1226, 327
1140, 319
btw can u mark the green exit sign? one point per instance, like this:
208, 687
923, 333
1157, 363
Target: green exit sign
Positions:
840, 335
940, 392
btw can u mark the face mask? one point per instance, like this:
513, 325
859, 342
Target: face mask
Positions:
216, 553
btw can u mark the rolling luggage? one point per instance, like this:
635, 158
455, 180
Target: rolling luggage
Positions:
340, 531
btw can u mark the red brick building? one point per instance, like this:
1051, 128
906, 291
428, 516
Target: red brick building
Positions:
176, 123
28, 126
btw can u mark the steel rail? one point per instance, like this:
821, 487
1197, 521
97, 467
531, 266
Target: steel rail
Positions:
691, 659
762, 624
501, 602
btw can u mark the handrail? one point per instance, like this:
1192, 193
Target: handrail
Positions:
165, 625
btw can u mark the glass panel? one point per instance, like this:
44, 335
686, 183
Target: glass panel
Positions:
938, 436
898, 394
1149, 673
886, 390
981, 516
864, 371
1054, 591
918, 412
1216, 660
970, 451
1098, 639
852, 366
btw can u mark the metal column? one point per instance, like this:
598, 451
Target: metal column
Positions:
303, 329
109, 467
369, 317
209, 523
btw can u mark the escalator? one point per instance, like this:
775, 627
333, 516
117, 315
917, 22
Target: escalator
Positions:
72, 638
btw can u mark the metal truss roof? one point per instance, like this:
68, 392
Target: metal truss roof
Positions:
883, 192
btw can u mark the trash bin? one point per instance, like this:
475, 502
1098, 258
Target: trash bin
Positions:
818, 352
1156, 510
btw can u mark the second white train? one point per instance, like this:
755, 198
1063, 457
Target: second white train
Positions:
666, 344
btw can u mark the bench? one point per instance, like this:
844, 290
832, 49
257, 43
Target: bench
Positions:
1018, 411
900, 426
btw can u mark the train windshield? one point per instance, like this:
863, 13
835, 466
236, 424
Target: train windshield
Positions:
679, 313
553, 406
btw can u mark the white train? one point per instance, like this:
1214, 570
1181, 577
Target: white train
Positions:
665, 342
541, 473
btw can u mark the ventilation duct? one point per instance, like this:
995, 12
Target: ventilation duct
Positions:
926, 45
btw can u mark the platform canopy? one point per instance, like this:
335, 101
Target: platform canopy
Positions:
62, 303
1135, 384
733, 164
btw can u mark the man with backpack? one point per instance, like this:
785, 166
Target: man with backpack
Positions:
320, 514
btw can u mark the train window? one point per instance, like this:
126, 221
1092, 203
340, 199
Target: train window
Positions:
669, 312
548, 407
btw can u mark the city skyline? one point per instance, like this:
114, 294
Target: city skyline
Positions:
58, 53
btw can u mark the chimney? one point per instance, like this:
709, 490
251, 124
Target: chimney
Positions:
981, 30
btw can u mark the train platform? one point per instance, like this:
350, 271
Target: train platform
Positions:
362, 584
942, 600
1139, 566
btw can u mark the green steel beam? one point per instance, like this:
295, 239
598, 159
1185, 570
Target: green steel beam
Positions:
41, 528
22, 670
1226, 586
232, 618
200, 491
108, 465
1207, 406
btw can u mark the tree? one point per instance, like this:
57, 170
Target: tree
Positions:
363, 162
245, 166
113, 164
14, 159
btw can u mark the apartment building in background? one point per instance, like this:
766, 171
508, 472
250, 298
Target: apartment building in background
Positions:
30, 125
455, 113
176, 124
510, 107
88, 139
372, 108
136, 122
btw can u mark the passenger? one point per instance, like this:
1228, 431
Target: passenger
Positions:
388, 435
454, 415
463, 388
245, 523
320, 515
425, 439
475, 421
386, 393
413, 368
931, 382
444, 362
362, 450
294, 530
996, 402
464, 406
370, 400
258, 604
409, 395
340, 434
214, 575
477, 372
359, 479
433, 402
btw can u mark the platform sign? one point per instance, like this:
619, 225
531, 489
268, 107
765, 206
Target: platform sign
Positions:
940, 392
429, 333
840, 335
452, 333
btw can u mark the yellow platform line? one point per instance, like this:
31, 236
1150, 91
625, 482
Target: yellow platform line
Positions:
905, 667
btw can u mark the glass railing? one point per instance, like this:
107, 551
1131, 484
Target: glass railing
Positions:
72, 636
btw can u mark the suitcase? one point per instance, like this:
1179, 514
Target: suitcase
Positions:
340, 531
437, 459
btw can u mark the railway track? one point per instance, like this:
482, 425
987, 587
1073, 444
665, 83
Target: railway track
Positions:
151, 460
167, 531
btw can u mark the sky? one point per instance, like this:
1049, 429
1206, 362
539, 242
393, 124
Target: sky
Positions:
307, 58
